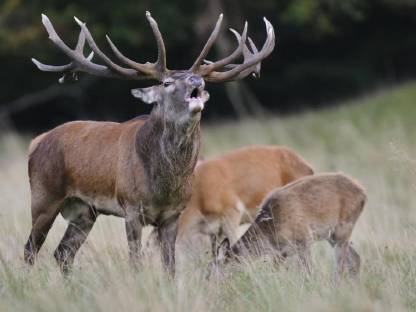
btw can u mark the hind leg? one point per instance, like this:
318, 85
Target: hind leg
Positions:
44, 212
305, 261
301, 250
347, 258
299, 242
353, 262
192, 237
340, 241
230, 224
341, 259
215, 242
75, 235
228, 230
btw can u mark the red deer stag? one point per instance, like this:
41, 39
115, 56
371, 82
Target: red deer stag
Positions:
140, 169
228, 190
320, 207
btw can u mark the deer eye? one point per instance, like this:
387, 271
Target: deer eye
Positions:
167, 83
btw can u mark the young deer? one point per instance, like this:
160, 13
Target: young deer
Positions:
228, 190
140, 169
320, 207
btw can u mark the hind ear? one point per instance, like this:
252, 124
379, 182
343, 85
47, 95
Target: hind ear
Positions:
224, 250
148, 95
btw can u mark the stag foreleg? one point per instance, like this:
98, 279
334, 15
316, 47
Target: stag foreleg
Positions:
134, 235
167, 237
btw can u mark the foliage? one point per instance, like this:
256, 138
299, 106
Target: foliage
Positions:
327, 50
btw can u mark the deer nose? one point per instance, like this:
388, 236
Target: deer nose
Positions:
196, 82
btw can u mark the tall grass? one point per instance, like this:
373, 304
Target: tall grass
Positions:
372, 139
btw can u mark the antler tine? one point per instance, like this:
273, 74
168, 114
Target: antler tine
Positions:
247, 54
52, 68
81, 42
208, 44
78, 61
80, 46
236, 53
242, 70
253, 47
255, 69
246, 51
144, 68
112, 66
53, 36
68, 67
161, 51
157, 69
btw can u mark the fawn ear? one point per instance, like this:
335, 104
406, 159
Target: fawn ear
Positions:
148, 95
224, 250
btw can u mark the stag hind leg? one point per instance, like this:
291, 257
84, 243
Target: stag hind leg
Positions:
75, 235
44, 211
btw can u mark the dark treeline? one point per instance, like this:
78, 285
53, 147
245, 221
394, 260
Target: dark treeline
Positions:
326, 50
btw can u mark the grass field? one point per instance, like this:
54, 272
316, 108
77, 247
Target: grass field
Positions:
372, 139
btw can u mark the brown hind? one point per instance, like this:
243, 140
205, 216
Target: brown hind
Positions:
228, 190
321, 207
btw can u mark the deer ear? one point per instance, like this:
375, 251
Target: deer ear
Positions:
224, 250
148, 95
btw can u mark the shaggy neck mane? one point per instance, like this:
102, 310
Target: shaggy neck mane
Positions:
169, 151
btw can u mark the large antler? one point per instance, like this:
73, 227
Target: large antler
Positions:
211, 71
80, 63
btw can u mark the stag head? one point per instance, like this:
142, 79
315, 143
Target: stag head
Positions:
180, 96
181, 93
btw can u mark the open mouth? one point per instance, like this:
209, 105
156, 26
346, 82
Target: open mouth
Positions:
196, 99
195, 93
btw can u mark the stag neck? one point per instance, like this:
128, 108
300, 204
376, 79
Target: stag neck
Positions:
169, 153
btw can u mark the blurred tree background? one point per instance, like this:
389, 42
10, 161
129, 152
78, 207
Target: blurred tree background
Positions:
326, 50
